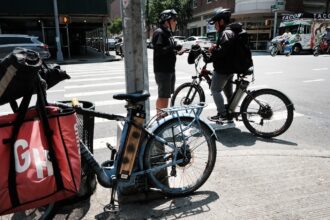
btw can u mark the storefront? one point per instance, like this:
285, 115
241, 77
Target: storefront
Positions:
35, 17
259, 26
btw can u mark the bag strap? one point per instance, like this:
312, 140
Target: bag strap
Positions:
14, 106
12, 171
41, 106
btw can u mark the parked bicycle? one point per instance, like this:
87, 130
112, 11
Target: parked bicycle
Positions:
176, 153
266, 112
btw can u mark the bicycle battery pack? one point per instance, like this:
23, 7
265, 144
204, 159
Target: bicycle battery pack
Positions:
132, 143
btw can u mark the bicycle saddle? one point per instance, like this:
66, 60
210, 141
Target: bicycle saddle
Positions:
133, 97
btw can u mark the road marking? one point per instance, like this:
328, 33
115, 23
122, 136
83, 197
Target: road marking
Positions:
96, 79
94, 85
116, 102
102, 92
320, 69
54, 91
313, 80
272, 73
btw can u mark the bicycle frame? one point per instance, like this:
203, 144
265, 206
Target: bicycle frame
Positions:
108, 174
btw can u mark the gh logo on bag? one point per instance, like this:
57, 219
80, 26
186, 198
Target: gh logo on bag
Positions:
26, 156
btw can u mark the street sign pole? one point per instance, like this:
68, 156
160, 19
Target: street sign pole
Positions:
135, 50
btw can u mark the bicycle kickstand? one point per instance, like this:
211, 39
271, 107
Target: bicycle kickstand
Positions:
112, 207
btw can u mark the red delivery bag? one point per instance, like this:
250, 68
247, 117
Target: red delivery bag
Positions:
42, 174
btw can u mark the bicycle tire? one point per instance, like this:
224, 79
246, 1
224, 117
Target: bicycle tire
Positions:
273, 51
184, 96
278, 107
201, 157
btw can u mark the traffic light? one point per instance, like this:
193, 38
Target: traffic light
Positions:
64, 19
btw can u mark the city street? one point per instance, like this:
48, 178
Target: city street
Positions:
244, 184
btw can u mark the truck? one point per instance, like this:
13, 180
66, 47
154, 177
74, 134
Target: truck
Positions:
305, 30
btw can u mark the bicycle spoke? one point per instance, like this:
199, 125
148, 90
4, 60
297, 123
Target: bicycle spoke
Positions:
195, 157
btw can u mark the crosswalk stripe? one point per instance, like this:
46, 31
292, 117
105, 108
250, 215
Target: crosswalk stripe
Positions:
94, 85
101, 92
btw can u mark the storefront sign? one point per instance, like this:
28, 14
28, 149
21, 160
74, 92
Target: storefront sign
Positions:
321, 16
290, 17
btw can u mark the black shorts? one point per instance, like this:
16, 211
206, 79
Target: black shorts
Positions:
165, 83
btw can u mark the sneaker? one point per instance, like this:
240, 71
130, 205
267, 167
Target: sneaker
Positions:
221, 117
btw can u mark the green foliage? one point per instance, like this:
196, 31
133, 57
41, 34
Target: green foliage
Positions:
116, 26
182, 7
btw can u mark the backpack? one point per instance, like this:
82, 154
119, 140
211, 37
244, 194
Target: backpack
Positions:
242, 59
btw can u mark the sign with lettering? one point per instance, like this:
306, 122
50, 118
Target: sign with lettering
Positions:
321, 16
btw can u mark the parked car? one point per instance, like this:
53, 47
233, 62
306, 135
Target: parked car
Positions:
8, 42
111, 43
202, 41
179, 40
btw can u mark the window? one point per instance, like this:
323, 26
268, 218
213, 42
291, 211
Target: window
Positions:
14, 40
194, 3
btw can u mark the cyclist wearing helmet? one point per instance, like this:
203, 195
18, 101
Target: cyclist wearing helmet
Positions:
222, 56
164, 59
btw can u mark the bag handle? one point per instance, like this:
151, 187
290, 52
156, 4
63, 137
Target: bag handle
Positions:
41, 106
16, 126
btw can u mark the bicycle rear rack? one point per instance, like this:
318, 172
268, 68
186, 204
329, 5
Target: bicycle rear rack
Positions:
175, 111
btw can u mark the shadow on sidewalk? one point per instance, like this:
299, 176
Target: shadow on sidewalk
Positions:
173, 208
234, 137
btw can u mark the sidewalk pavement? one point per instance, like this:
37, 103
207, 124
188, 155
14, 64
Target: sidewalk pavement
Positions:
252, 179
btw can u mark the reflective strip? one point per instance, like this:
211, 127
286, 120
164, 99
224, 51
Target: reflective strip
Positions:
6, 79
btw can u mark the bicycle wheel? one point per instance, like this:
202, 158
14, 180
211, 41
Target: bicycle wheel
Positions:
194, 146
187, 94
267, 113
273, 51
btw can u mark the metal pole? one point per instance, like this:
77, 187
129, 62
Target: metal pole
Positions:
68, 40
135, 50
275, 23
59, 54
43, 31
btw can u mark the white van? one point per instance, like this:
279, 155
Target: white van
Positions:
305, 32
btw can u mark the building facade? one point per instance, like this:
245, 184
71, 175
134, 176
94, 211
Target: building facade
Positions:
256, 16
204, 10
36, 17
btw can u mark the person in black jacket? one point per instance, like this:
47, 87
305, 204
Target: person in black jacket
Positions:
164, 58
222, 57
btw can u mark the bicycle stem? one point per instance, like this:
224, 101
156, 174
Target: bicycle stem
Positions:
106, 177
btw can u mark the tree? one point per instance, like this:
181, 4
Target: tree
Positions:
182, 7
116, 26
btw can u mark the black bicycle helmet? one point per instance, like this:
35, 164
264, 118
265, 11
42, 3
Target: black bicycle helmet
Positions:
223, 13
167, 15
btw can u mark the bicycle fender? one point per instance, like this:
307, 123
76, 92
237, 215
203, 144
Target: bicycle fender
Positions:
254, 91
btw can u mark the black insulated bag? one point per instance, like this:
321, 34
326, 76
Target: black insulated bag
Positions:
17, 73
